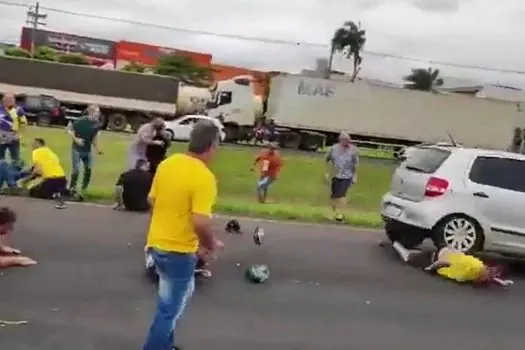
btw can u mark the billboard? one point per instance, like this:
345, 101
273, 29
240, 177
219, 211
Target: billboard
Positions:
100, 51
128, 51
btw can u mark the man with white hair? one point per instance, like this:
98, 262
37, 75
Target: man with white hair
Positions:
145, 137
84, 132
341, 160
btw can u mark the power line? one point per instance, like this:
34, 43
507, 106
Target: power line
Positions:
261, 39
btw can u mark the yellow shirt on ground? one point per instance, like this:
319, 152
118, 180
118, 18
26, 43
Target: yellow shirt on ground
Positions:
48, 163
463, 268
182, 186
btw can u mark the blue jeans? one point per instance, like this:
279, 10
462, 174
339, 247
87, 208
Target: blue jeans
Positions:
13, 148
264, 183
7, 174
78, 157
176, 284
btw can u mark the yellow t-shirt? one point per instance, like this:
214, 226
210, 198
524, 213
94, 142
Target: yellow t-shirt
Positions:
463, 268
48, 162
183, 185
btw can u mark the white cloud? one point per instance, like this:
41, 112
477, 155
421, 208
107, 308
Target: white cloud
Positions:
470, 32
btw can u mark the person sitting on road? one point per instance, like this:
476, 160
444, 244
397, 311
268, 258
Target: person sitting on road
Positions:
453, 265
46, 166
156, 153
133, 187
10, 173
10, 256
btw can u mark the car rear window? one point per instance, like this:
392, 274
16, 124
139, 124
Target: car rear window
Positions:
426, 159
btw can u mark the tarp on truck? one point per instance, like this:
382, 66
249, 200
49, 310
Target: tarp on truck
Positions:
370, 110
87, 80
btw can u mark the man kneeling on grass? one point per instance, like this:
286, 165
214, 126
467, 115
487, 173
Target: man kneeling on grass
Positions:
131, 192
10, 256
46, 166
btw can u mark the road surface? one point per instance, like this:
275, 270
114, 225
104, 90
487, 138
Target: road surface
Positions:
331, 288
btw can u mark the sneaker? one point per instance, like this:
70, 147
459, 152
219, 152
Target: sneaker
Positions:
203, 273
339, 217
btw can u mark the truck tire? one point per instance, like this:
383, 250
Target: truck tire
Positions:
117, 122
43, 119
232, 133
290, 140
136, 121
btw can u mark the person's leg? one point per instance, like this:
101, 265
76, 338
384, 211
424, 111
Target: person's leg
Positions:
14, 151
176, 285
262, 188
75, 169
338, 197
87, 160
3, 151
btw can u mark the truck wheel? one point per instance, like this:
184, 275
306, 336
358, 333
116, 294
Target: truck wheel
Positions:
117, 122
43, 119
232, 133
290, 140
136, 122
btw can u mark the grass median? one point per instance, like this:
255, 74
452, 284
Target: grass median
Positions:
301, 192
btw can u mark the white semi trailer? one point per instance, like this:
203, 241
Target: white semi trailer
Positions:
310, 111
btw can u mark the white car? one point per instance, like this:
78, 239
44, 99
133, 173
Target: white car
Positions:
405, 152
465, 198
180, 129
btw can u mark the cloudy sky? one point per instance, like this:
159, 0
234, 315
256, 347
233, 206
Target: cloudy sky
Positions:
484, 33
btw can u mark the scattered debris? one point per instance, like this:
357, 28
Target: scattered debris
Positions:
233, 226
12, 323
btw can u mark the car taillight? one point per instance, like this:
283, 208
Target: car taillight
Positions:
436, 187
55, 112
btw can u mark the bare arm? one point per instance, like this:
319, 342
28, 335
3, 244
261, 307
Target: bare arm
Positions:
329, 162
70, 131
202, 203
95, 144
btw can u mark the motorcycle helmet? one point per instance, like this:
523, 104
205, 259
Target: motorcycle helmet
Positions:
233, 226
257, 274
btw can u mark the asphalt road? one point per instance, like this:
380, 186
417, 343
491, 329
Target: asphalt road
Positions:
331, 288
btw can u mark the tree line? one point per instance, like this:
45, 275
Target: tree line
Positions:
179, 67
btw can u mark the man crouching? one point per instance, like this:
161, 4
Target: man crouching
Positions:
10, 256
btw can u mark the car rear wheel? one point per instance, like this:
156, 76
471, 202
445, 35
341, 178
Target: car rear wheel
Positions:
459, 232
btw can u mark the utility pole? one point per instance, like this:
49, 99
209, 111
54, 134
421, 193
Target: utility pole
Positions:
34, 17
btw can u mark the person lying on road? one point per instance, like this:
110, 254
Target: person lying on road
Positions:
131, 192
452, 265
10, 256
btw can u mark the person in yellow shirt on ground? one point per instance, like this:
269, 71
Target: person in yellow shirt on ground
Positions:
46, 166
182, 196
453, 265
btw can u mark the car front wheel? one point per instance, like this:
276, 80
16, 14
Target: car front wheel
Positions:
170, 134
459, 232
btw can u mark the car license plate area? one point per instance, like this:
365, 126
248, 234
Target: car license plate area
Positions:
391, 211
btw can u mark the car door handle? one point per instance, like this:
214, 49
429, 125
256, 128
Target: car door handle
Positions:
481, 194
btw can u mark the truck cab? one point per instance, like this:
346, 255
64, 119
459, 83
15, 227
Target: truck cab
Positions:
233, 103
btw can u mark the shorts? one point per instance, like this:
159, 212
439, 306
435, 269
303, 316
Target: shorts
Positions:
339, 187
49, 187
264, 183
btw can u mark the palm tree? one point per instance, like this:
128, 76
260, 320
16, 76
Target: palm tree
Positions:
423, 79
350, 39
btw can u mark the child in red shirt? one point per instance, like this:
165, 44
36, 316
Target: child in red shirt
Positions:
10, 256
271, 164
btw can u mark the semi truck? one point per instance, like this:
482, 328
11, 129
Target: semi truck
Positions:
311, 112
124, 98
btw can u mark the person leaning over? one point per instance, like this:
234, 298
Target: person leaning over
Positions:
181, 229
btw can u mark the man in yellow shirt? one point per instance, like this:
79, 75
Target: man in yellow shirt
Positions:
182, 197
47, 167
